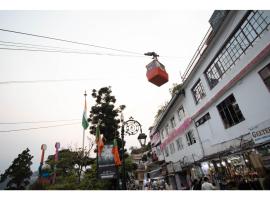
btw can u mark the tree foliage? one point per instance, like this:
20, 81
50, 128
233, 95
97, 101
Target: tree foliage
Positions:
175, 88
19, 173
105, 111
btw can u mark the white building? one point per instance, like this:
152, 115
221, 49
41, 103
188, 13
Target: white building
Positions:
225, 95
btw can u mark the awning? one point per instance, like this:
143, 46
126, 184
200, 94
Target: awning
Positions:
155, 173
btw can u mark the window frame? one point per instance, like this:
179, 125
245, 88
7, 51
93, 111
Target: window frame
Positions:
190, 138
167, 128
173, 123
262, 78
239, 38
179, 143
230, 113
181, 108
200, 89
172, 148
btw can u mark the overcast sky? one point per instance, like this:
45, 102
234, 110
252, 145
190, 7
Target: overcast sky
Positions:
172, 34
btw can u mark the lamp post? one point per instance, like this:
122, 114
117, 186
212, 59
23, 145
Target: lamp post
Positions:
130, 127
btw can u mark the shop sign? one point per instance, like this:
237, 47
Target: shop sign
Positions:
261, 132
106, 165
177, 167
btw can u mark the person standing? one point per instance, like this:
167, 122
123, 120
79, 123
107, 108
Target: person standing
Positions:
207, 185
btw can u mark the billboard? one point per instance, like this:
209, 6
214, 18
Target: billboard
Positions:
106, 165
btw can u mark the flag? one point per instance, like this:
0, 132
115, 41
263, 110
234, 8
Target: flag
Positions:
85, 123
115, 153
99, 140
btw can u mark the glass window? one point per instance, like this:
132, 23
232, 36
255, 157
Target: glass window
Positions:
181, 113
251, 29
172, 148
179, 144
230, 112
198, 91
158, 151
162, 133
190, 138
166, 151
265, 75
167, 129
173, 122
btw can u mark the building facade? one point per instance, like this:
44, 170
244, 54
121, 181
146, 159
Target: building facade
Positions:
221, 116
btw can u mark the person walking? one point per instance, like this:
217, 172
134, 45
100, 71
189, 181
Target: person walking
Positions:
207, 185
196, 185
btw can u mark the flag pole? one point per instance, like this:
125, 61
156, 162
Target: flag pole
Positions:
83, 128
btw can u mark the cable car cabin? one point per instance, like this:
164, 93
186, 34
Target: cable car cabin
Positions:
156, 73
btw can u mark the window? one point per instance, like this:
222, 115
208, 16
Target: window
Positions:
190, 138
198, 91
167, 129
230, 112
202, 119
250, 29
172, 148
265, 75
173, 122
162, 134
166, 151
158, 151
179, 143
181, 113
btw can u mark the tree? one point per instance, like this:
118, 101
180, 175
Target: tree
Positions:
105, 112
175, 88
161, 110
68, 159
19, 172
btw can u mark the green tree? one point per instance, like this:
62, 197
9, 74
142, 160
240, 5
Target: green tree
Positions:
175, 88
19, 172
71, 163
105, 111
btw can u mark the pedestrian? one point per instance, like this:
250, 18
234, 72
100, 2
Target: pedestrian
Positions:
196, 185
207, 185
167, 186
266, 181
244, 184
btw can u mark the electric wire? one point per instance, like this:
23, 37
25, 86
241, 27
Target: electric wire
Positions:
69, 41
33, 128
38, 122
108, 48
60, 51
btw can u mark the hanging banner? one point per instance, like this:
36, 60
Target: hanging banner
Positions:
261, 132
106, 165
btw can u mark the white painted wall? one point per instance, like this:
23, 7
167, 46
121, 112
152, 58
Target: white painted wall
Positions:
250, 93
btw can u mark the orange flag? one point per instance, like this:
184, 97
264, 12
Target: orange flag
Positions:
99, 141
115, 153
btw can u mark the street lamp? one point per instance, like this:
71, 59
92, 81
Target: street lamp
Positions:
142, 139
130, 127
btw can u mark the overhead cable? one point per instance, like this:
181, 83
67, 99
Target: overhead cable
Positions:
38, 122
33, 128
69, 41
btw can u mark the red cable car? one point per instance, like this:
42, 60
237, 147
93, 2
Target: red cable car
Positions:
156, 72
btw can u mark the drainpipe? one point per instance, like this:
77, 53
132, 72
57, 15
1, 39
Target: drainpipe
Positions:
200, 141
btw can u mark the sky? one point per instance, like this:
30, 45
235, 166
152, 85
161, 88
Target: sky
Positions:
174, 35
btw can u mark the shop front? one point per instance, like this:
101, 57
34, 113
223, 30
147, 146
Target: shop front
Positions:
171, 176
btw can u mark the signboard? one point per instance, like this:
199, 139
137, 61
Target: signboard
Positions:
106, 165
261, 132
